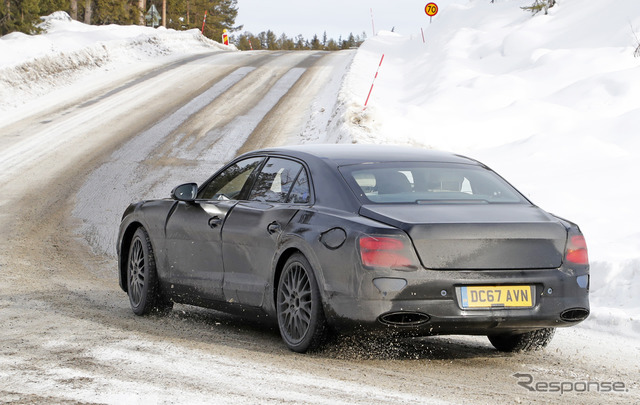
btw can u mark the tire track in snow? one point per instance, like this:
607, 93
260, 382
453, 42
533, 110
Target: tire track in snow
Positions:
69, 128
99, 209
188, 145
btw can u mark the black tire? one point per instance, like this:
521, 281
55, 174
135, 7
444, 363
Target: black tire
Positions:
523, 342
299, 309
142, 277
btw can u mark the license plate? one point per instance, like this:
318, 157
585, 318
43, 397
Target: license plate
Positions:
507, 296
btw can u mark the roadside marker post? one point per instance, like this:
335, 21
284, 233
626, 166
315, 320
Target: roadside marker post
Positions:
225, 37
372, 83
203, 21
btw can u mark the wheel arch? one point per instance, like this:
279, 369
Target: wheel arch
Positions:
125, 244
293, 246
282, 259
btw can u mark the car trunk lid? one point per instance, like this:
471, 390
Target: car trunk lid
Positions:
477, 236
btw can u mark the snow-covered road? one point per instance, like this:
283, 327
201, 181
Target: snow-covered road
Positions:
68, 333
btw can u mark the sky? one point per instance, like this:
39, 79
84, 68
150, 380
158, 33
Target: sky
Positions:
336, 17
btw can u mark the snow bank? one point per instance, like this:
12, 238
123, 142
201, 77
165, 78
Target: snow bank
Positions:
32, 65
552, 102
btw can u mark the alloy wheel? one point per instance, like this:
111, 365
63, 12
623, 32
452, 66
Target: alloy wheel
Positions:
295, 302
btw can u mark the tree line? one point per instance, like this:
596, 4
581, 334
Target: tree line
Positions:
271, 41
24, 15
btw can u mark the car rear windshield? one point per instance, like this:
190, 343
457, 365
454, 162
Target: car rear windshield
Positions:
428, 183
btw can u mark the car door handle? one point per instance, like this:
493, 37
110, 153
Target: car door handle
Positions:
215, 221
273, 228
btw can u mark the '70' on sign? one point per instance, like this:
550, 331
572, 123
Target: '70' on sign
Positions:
431, 9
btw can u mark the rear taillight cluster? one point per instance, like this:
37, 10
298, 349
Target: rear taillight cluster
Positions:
577, 249
388, 252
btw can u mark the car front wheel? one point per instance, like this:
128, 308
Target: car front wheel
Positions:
142, 278
522, 342
299, 306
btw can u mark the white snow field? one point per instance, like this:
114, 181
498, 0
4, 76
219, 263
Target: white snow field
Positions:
551, 102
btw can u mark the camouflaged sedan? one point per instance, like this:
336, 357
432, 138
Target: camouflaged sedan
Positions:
327, 238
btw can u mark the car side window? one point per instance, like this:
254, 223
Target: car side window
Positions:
300, 193
276, 180
229, 184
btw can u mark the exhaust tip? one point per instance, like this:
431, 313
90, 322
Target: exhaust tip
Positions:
574, 314
404, 318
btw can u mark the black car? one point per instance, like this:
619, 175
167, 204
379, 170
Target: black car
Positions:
360, 238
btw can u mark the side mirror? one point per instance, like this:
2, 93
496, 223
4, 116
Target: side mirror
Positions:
185, 192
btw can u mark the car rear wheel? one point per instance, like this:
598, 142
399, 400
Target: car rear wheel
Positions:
142, 278
522, 342
299, 307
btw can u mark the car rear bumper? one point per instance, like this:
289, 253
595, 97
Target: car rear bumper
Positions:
430, 302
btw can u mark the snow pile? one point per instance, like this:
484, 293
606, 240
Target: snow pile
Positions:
33, 65
551, 102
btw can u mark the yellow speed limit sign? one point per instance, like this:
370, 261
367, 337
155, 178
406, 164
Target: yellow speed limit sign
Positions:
431, 9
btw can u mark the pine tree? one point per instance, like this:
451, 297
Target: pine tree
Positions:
255, 42
221, 14
177, 15
113, 12
315, 43
49, 6
271, 40
286, 43
332, 45
351, 41
262, 37
19, 15
242, 41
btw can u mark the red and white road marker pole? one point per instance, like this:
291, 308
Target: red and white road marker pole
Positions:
372, 83
422, 31
203, 21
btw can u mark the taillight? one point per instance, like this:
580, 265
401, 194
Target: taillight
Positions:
577, 250
389, 252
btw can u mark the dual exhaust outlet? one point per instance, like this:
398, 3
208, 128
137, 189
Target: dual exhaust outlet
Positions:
408, 319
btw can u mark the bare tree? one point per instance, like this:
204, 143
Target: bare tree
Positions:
164, 13
142, 8
74, 9
88, 10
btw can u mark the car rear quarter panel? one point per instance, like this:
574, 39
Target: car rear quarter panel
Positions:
337, 269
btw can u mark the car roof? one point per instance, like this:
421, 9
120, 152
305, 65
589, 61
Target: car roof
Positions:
347, 154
